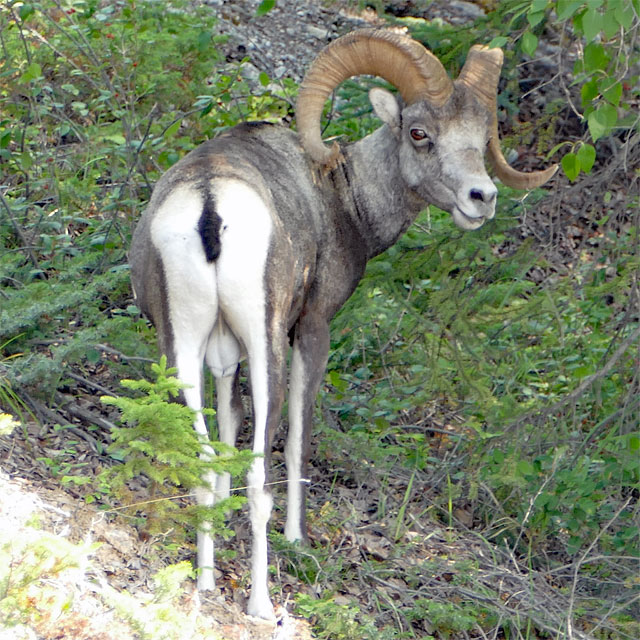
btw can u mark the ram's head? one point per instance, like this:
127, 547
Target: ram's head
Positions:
443, 127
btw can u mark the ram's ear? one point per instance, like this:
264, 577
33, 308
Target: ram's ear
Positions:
386, 107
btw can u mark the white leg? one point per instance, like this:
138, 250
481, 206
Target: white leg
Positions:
293, 450
260, 504
308, 363
205, 544
255, 312
260, 501
191, 328
229, 418
206, 549
190, 372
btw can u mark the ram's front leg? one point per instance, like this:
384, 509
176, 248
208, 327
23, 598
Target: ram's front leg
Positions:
308, 364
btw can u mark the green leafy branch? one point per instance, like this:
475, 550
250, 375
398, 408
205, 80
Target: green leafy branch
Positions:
161, 444
605, 32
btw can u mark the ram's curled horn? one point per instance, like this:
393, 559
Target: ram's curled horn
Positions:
388, 53
480, 75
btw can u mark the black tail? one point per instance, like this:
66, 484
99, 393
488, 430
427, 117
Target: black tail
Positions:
209, 228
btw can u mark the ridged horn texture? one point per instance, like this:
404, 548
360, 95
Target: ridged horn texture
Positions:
480, 75
388, 53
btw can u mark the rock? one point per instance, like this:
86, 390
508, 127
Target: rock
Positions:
466, 9
317, 32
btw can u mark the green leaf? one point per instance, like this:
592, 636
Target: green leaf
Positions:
538, 5
25, 161
591, 23
25, 11
264, 79
116, 138
499, 41
535, 18
556, 148
611, 90
609, 114
595, 57
597, 128
602, 120
525, 468
610, 25
570, 165
70, 88
32, 72
529, 43
80, 107
336, 380
624, 14
265, 6
536, 12
169, 131
589, 91
566, 8
587, 505
586, 157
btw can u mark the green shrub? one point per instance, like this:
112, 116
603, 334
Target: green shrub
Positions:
81, 143
161, 444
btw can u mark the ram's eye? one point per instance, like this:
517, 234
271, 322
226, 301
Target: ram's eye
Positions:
418, 134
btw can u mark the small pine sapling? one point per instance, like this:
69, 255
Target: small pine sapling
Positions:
161, 444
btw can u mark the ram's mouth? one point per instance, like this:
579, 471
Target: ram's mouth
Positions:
472, 222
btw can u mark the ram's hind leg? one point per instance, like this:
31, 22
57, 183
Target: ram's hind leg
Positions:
267, 364
189, 360
223, 357
229, 415
264, 334
255, 278
192, 309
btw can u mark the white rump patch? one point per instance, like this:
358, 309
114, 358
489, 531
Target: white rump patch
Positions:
190, 278
245, 239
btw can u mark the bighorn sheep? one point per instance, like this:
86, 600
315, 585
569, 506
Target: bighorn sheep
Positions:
255, 239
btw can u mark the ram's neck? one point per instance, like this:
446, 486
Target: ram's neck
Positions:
384, 205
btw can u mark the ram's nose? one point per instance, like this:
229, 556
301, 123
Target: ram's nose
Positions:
484, 195
482, 198
476, 203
